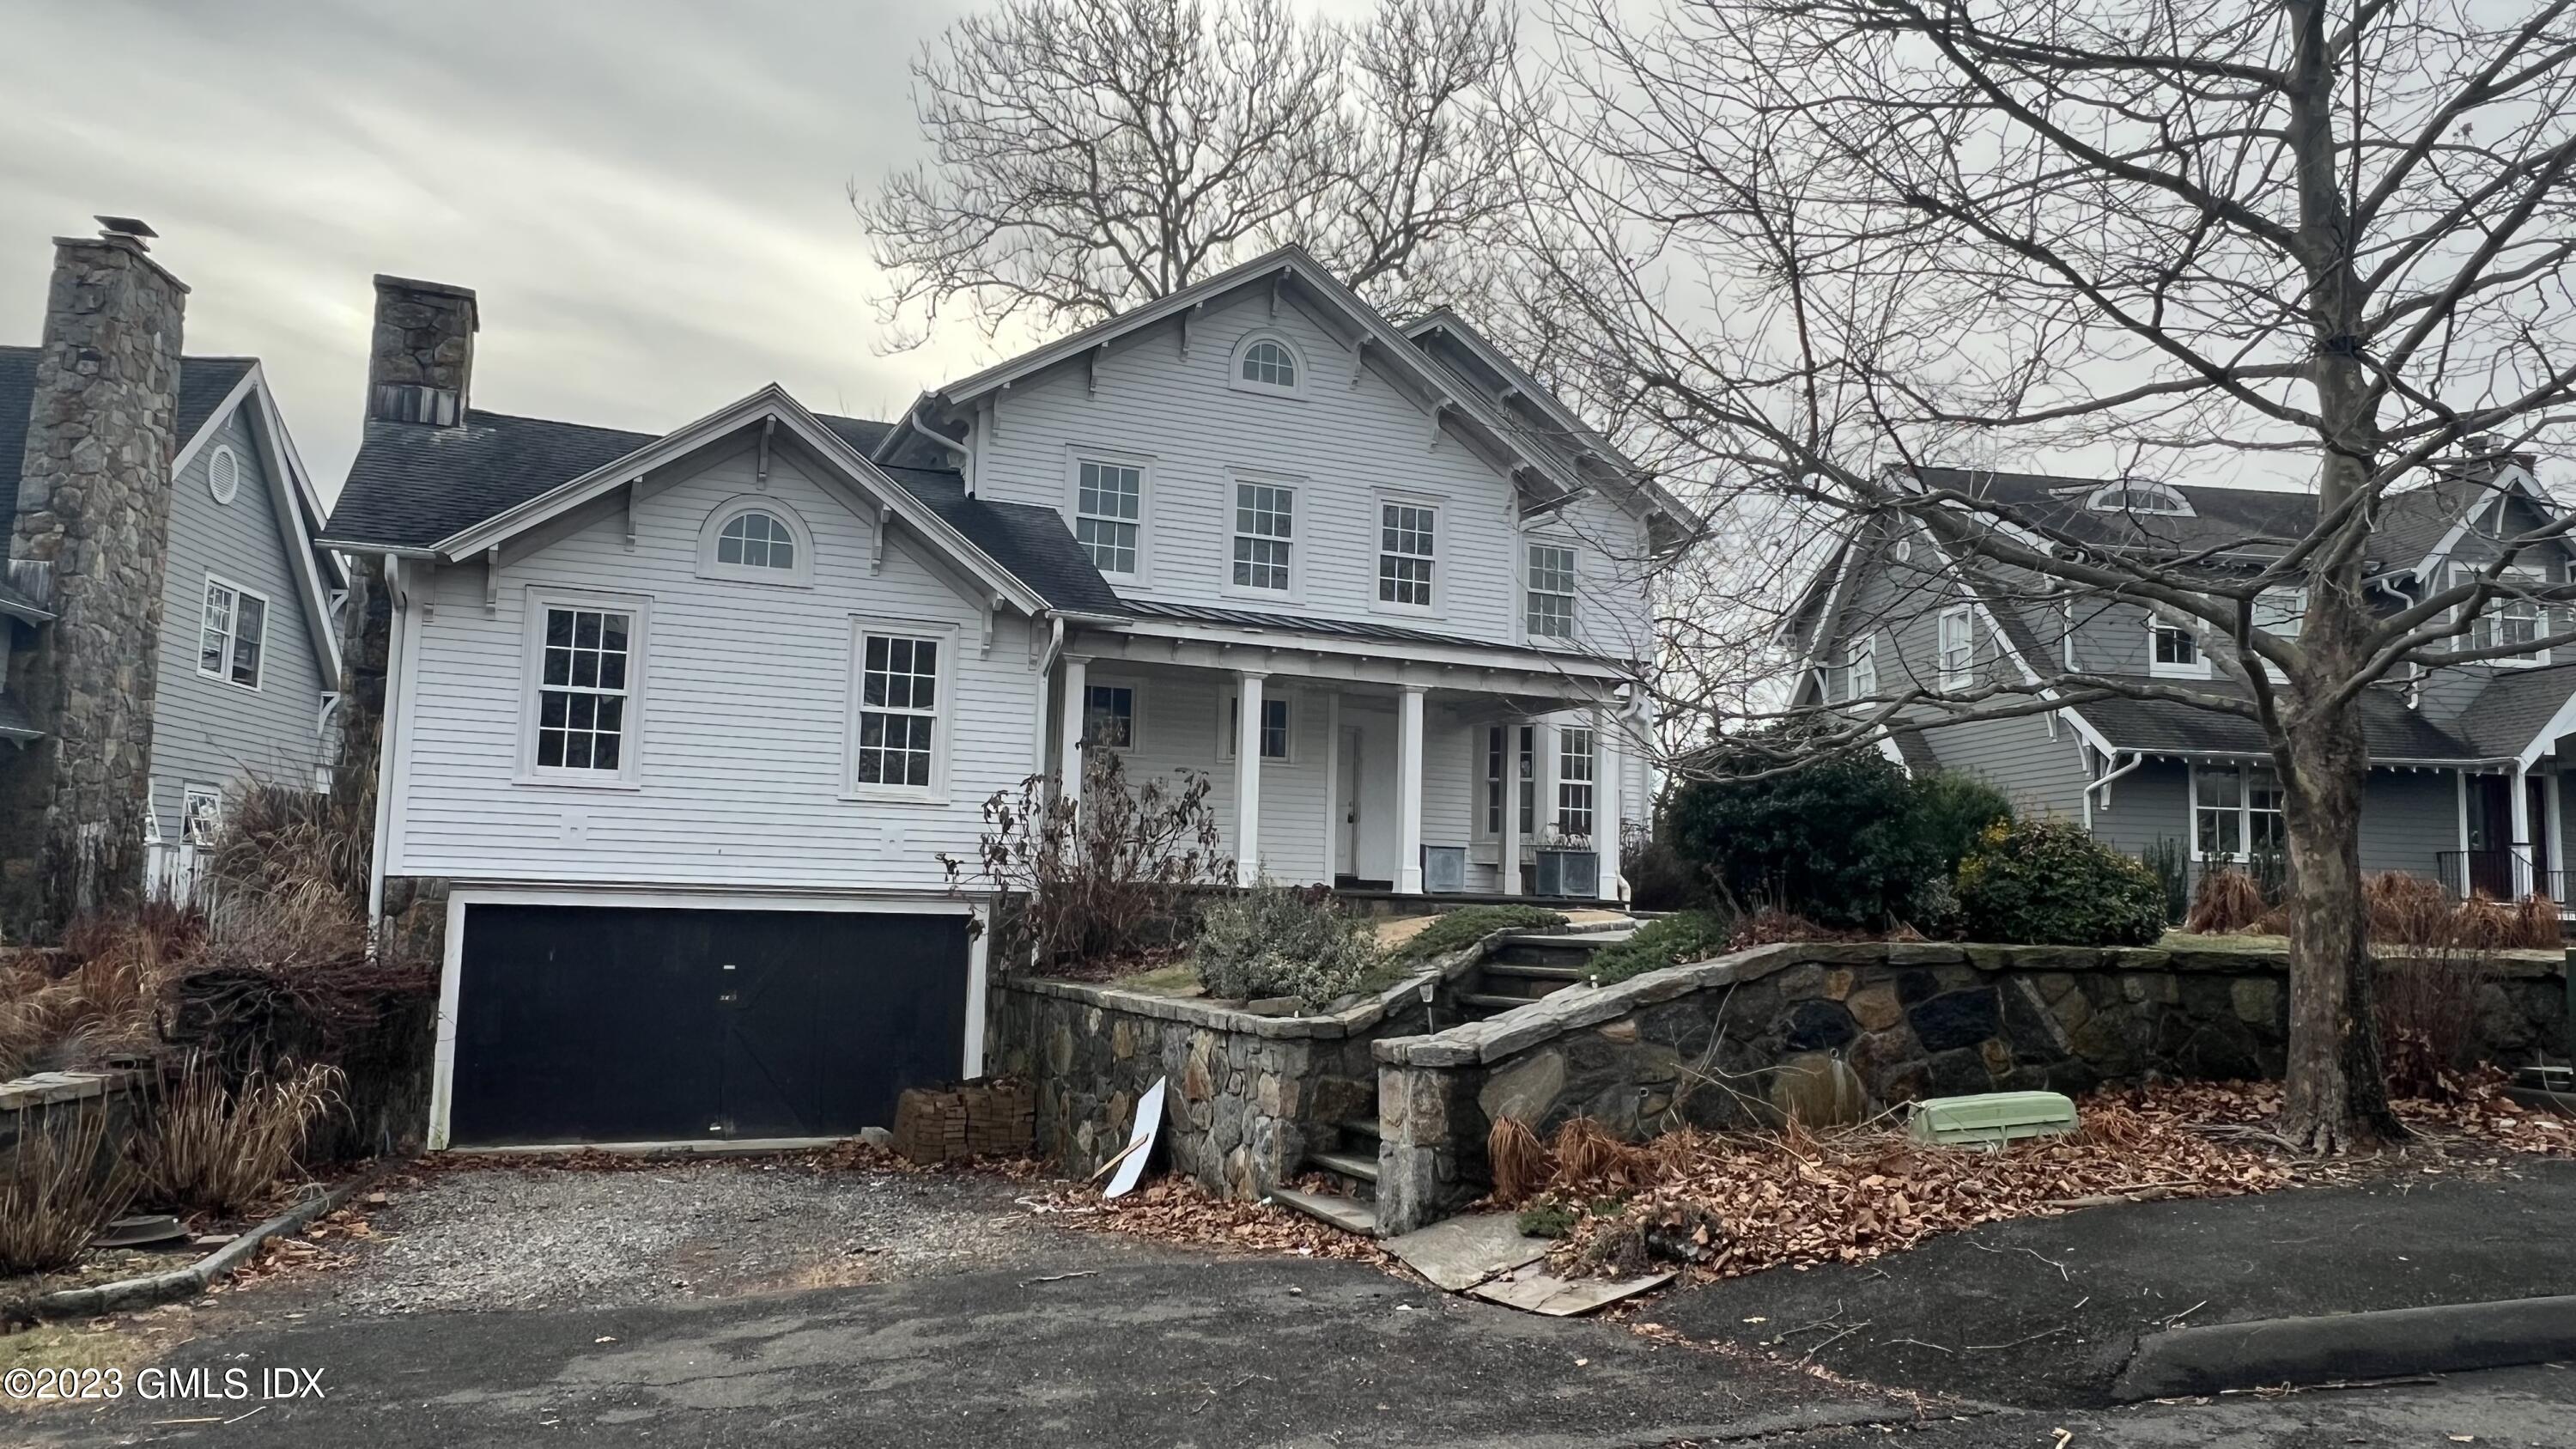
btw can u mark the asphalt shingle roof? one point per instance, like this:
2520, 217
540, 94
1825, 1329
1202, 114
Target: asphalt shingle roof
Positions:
411, 486
204, 382
2220, 517
2515, 707
1322, 628
2389, 729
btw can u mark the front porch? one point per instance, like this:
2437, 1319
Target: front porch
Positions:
1373, 772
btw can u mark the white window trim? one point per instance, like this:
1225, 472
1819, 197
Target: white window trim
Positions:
1295, 485
223, 453
188, 796
711, 532
943, 715
1439, 508
2293, 597
232, 637
1521, 577
1235, 379
1559, 782
2490, 618
2172, 503
1230, 700
1860, 651
2197, 669
1074, 457
1964, 618
532, 645
1135, 721
2244, 809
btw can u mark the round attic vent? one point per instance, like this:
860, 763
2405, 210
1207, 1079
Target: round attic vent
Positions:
223, 475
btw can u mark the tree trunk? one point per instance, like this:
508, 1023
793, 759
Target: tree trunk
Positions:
2337, 1096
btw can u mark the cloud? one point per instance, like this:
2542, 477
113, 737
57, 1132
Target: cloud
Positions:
648, 196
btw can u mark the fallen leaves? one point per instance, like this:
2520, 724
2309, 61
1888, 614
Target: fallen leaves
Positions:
1177, 1210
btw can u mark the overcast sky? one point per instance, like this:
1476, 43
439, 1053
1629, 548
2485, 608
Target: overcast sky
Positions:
648, 195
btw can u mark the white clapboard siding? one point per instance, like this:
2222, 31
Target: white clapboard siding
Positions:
1341, 445
744, 721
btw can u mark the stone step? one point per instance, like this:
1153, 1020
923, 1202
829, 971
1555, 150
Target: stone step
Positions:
1532, 971
1490, 1001
1341, 1212
1360, 1127
1348, 1164
1561, 948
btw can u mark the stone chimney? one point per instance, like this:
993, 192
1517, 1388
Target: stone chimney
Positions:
421, 367
94, 511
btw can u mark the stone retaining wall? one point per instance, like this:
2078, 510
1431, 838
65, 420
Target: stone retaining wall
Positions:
1245, 1093
54, 1101
1718, 1042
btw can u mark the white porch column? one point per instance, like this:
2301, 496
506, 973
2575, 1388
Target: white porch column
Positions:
1068, 778
1247, 777
2521, 830
1408, 792
1608, 763
1508, 844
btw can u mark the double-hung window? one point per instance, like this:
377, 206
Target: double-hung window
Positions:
1490, 802
2236, 812
1109, 715
2281, 611
1265, 525
1274, 728
1408, 536
1574, 782
201, 814
2173, 650
1861, 676
1958, 648
2506, 620
901, 698
1108, 509
233, 634
1548, 610
585, 694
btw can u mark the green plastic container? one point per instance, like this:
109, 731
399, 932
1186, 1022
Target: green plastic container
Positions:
1991, 1119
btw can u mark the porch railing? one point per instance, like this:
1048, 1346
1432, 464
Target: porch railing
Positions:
2496, 874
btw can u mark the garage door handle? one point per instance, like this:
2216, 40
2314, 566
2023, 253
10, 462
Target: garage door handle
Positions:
728, 998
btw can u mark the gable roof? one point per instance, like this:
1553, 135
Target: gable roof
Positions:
204, 383
414, 488
2220, 518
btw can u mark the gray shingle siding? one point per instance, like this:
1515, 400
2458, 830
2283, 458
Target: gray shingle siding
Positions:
209, 731
2407, 815
2041, 776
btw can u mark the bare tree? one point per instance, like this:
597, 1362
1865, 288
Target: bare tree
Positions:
1088, 155
1824, 246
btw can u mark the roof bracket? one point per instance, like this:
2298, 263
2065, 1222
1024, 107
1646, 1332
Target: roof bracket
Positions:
1439, 410
1359, 363
1275, 279
492, 582
760, 470
634, 488
1186, 314
877, 539
1091, 372
992, 606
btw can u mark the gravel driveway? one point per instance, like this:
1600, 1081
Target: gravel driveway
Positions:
544, 1236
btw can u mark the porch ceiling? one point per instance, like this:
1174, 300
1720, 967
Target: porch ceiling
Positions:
1552, 680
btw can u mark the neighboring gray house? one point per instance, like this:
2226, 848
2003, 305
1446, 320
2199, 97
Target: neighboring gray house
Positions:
2466, 760
166, 620
680, 725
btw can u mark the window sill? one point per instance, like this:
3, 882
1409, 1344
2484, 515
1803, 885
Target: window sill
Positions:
881, 795
571, 782
228, 682
1246, 592
2177, 671
2521, 661
1406, 611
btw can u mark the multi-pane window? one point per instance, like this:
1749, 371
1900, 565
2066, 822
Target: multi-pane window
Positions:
1489, 808
1109, 715
1274, 728
1529, 780
1574, 782
1958, 648
2509, 621
2175, 649
2281, 611
232, 635
1108, 501
1862, 681
1269, 364
1549, 609
201, 814
1265, 519
898, 710
1406, 543
756, 540
2237, 811
584, 683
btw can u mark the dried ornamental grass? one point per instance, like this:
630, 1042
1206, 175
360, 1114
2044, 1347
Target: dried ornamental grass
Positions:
1521, 1163
221, 1146
2226, 900
62, 1186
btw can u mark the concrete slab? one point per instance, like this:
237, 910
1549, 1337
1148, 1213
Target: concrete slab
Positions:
1456, 1254
1535, 1290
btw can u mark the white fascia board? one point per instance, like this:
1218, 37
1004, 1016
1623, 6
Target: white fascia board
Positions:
771, 401
294, 526
2012, 651
1458, 656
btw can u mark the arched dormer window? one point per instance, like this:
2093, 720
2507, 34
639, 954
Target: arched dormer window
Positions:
2135, 496
758, 541
1268, 363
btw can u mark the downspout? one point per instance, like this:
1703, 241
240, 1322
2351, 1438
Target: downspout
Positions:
397, 607
2414, 672
2104, 785
964, 452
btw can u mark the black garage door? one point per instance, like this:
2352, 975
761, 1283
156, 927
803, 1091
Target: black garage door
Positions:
626, 1024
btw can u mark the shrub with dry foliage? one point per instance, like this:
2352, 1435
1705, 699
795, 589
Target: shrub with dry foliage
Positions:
98, 995
2227, 899
220, 1145
62, 1184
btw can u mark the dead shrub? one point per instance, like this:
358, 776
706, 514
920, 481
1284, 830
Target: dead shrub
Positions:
2536, 924
1587, 1153
1521, 1163
279, 834
2428, 1013
100, 994
62, 1186
2406, 909
2226, 900
220, 1145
